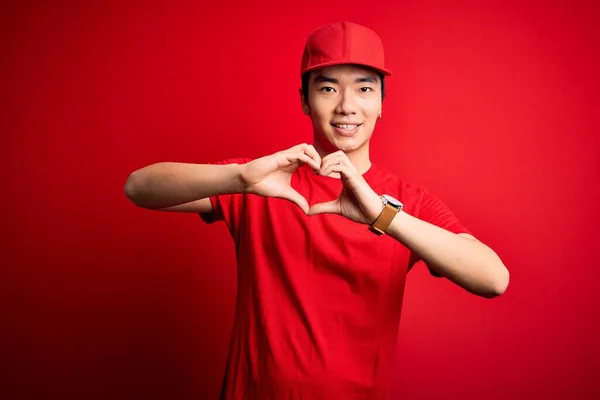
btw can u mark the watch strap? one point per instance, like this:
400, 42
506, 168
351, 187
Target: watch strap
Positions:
384, 220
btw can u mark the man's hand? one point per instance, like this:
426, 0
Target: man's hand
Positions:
357, 201
270, 176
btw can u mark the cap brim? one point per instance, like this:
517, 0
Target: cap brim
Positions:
383, 71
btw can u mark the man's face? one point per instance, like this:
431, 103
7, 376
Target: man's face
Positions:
344, 102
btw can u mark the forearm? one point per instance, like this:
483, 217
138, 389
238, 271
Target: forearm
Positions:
465, 261
167, 184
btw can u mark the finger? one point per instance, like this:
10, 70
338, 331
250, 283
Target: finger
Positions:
309, 150
349, 177
328, 163
302, 157
312, 153
341, 159
357, 186
328, 157
327, 168
339, 166
291, 195
330, 207
296, 148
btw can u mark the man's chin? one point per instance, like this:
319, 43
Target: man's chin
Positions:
331, 142
348, 145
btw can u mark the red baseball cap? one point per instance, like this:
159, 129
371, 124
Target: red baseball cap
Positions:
343, 43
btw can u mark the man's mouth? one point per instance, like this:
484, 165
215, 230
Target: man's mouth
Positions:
347, 127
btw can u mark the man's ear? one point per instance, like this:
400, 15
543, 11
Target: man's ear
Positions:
305, 108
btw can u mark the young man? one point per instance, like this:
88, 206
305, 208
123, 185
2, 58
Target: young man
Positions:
324, 237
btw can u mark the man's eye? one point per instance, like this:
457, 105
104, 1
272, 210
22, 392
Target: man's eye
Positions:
327, 89
366, 89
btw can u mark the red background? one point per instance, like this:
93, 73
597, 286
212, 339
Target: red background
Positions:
493, 106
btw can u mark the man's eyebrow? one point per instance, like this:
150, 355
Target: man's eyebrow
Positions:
327, 79
366, 79
321, 79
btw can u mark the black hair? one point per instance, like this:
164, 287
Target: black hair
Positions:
306, 77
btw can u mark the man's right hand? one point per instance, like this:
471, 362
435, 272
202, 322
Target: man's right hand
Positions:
270, 176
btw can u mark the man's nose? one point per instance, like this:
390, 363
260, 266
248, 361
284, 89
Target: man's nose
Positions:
347, 103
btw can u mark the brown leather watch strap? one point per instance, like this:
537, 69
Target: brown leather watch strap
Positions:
384, 220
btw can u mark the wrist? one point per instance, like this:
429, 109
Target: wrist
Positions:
236, 178
375, 209
244, 186
391, 207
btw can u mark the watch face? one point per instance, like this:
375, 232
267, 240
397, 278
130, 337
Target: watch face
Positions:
394, 202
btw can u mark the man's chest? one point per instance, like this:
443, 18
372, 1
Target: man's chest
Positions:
328, 247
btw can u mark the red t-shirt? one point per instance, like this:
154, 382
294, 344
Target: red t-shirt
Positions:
319, 298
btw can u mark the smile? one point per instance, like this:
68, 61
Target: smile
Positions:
347, 127
346, 130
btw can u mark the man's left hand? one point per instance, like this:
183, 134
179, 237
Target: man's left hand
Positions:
357, 201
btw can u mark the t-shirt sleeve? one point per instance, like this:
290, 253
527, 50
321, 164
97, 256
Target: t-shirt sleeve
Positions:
433, 210
227, 207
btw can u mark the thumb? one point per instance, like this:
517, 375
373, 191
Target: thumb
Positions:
330, 207
290, 194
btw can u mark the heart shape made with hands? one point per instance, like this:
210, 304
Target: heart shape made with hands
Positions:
270, 176
357, 201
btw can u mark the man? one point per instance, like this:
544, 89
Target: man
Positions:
324, 237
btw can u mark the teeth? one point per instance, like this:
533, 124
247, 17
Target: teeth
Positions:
346, 126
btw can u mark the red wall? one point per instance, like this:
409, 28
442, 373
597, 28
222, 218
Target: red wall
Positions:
493, 105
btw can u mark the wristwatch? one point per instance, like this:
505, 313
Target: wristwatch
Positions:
391, 207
